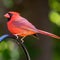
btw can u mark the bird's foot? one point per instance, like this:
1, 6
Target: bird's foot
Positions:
16, 36
22, 39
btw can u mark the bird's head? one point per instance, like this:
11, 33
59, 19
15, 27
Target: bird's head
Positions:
11, 14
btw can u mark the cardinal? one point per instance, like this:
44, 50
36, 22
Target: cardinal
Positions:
20, 26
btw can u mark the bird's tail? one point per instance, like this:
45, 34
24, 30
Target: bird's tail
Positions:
48, 34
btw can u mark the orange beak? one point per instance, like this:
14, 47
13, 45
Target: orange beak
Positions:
7, 16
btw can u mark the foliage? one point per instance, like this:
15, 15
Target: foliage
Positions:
54, 16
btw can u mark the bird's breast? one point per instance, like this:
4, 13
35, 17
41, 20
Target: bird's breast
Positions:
15, 30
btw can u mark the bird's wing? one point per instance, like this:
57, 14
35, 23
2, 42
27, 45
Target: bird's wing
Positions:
24, 24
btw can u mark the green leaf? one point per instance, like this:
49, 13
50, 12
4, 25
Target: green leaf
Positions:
55, 17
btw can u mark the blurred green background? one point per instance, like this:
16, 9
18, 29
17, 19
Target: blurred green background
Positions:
45, 15
54, 17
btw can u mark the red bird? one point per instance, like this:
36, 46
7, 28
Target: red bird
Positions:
18, 25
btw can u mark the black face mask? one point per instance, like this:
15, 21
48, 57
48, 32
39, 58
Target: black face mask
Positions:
10, 16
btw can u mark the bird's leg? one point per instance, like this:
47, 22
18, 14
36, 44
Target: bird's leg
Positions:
22, 39
16, 36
